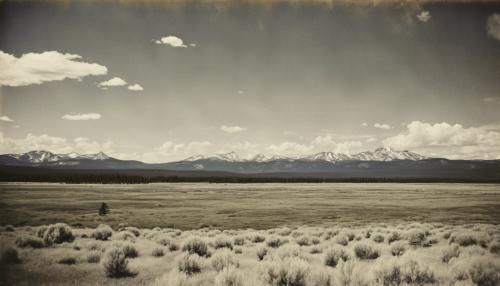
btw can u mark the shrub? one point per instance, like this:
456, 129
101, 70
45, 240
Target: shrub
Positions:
415, 237
449, 252
303, 241
394, 236
229, 276
480, 270
468, 238
29, 241
67, 260
366, 251
348, 233
398, 248
261, 252
196, 245
94, 257
9, 255
130, 251
258, 238
173, 247
276, 241
407, 271
102, 232
288, 272
378, 238
315, 250
320, 277
238, 250
157, 252
115, 263
239, 240
93, 246
222, 242
341, 239
315, 241
334, 255
189, 263
223, 259
9, 228
495, 247
58, 233
124, 235
41, 231
133, 230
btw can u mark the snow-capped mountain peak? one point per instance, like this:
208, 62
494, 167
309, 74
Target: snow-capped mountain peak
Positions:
387, 154
39, 157
231, 157
259, 158
327, 156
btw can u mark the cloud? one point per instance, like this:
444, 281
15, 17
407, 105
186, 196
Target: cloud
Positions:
364, 124
491, 99
232, 129
37, 68
135, 87
382, 126
53, 144
424, 16
116, 81
493, 26
82, 116
6, 119
173, 41
452, 141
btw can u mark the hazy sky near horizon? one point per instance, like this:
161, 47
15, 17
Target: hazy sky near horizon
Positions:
160, 83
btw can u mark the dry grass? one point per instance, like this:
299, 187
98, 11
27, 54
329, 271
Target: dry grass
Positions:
300, 256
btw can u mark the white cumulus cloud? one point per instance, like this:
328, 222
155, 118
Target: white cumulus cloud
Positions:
493, 26
82, 116
37, 68
424, 16
53, 144
116, 81
172, 41
232, 129
135, 87
449, 140
382, 126
6, 119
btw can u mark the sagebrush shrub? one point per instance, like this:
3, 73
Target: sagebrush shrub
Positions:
366, 251
133, 230
288, 272
303, 241
341, 239
404, 271
94, 257
58, 233
125, 236
29, 241
9, 255
222, 242
115, 263
102, 232
415, 237
229, 276
9, 228
261, 252
480, 270
399, 247
41, 231
189, 263
379, 238
468, 238
239, 240
449, 252
394, 236
157, 252
130, 251
196, 245
69, 260
258, 238
334, 255
223, 259
276, 241
495, 247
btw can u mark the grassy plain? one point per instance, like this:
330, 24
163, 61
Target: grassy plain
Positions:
259, 206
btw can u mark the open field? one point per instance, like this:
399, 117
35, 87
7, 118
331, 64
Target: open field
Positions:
259, 206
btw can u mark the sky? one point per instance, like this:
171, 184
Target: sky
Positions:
158, 82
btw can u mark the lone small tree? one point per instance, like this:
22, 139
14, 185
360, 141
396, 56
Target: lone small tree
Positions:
104, 209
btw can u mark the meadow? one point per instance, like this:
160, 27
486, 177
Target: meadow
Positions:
250, 235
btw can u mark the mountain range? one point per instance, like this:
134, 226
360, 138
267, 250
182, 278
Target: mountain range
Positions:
379, 163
